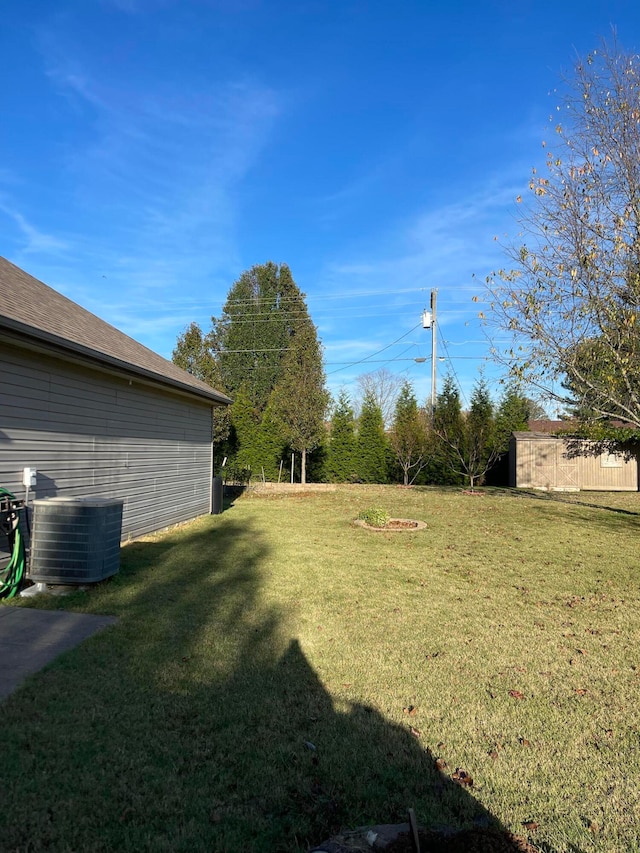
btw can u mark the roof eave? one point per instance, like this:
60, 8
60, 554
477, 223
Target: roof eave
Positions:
213, 396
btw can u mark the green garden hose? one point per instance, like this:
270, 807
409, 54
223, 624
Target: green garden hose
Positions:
12, 575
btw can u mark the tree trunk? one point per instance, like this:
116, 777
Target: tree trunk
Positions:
303, 466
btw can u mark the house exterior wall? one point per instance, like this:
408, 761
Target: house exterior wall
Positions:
88, 432
543, 463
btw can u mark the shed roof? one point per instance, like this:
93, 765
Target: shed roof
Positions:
551, 426
32, 308
535, 435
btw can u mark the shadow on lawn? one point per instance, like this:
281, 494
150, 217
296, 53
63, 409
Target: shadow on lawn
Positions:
199, 724
611, 517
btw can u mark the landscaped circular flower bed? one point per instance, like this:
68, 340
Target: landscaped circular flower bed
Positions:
378, 520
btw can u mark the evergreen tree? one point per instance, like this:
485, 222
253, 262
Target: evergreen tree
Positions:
514, 412
245, 426
192, 353
467, 441
317, 461
409, 435
341, 462
371, 443
269, 444
481, 450
263, 312
448, 429
300, 397
263, 339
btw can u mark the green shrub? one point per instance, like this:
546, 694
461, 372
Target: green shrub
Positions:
375, 517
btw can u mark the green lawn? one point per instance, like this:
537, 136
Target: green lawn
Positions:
251, 696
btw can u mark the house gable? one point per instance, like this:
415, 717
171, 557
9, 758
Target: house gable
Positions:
36, 313
97, 414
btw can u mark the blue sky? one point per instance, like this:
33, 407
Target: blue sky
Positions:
151, 150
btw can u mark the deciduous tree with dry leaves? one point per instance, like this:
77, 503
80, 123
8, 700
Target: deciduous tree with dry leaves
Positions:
571, 298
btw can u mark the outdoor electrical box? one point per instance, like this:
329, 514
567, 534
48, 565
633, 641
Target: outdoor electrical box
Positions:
426, 319
29, 476
75, 540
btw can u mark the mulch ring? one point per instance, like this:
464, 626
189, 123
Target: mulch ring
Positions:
394, 525
396, 838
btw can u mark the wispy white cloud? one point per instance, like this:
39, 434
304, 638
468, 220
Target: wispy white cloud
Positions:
440, 247
33, 240
154, 181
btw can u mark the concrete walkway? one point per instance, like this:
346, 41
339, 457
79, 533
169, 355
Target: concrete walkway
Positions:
30, 639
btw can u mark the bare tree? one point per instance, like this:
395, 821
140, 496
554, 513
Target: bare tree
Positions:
384, 387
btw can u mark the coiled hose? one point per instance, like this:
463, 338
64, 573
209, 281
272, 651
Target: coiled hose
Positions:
13, 573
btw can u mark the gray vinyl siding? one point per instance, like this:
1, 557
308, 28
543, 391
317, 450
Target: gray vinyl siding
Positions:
91, 433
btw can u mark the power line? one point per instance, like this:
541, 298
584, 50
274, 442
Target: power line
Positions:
252, 300
368, 357
253, 351
446, 349
398, 357
372, 361
290, 315
383, 361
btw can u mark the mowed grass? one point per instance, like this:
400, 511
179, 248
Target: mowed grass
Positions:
252, 695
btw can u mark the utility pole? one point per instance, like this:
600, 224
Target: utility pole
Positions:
429, 322
434, 294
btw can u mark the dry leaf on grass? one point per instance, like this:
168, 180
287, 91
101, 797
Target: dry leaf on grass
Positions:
530, 825
462, 777
516, 694
411, 710
441, 764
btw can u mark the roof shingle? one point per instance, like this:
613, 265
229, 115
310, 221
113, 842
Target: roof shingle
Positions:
33, 308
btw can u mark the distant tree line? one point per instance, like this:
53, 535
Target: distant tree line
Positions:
451, 447
264, 352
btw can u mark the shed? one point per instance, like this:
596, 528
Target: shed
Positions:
539, 460
97, 413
